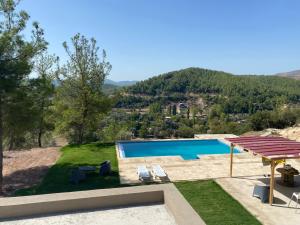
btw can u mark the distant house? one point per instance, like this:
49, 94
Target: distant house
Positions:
182, 108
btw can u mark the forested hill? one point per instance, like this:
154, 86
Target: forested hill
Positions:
244, 93
196, 80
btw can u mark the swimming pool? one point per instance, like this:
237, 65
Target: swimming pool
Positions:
187, 149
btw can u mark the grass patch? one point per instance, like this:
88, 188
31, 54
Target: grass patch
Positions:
214, 205
57, 178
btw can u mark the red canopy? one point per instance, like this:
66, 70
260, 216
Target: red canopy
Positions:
269, 147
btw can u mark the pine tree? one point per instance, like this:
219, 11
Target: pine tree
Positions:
79, 100
16, 54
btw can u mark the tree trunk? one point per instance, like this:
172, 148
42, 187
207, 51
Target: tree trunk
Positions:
80, 134
1, 147
11, 142
40, 138
81, 127
84, 115
40, 134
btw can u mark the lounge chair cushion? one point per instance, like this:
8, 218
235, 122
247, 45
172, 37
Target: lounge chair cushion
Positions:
158, 171
143, 172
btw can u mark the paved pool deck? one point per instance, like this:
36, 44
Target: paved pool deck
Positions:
139, 215
208, 167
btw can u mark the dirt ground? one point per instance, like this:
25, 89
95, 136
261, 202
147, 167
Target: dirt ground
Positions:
26, 168
292, 133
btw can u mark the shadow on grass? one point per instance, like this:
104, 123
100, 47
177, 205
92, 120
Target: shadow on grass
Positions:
58, 180
58, 177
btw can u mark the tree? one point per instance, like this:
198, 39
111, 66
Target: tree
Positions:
19, 118
79, 99
44, 92
260, 120
16, 54
174, 110
155, 108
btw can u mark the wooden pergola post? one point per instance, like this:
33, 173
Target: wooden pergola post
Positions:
231, 158
272, 181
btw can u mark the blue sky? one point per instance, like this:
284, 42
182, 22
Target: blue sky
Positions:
143, 38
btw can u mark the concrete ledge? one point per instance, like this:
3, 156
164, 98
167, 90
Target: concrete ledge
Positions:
182, 211
37, 205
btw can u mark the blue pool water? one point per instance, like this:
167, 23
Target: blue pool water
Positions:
187, 149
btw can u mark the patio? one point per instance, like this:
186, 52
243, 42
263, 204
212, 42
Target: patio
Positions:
241, 189
273, 151
208, 167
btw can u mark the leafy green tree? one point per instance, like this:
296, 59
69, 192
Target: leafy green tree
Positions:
79, 100
116, 126
16, 54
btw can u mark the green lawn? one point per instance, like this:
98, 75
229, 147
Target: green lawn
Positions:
57, 178
214, 205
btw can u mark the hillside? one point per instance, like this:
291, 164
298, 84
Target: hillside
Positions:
194, 101
237, 94
196, 80
292, 74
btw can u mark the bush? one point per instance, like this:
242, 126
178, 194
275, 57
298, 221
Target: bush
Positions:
274, 119
184, 132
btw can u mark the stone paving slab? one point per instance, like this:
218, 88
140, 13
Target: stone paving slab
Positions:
279, 213
207, 167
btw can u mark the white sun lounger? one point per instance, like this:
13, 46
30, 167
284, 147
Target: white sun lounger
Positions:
143, 173
159, 172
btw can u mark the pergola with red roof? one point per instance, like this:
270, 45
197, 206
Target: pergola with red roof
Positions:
274, 149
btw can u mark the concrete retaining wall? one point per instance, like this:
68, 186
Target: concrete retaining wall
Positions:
37, 205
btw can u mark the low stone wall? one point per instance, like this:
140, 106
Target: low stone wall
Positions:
39, 205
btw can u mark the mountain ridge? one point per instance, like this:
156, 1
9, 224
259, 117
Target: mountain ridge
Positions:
123, 83
236, 94
295, 74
